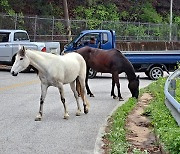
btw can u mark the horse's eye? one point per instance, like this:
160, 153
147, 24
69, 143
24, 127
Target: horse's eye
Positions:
21, 58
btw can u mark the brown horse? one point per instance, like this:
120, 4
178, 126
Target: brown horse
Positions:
110, 61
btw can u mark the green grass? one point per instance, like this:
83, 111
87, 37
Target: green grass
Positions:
117, 134
177, 90
164, 124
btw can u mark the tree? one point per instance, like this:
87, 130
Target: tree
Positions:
67, 22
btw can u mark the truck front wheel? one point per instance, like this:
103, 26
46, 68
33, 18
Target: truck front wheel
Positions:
92, 73
155, 73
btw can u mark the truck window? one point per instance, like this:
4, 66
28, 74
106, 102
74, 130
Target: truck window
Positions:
4, 37
87, 39
104, 38
20, 36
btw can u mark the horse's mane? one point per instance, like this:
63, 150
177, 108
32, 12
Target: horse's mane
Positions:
130, 72
117, 50
44, 54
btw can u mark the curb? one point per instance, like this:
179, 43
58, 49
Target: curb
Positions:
99, 143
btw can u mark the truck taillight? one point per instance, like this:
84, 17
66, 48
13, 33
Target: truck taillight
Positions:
43, 49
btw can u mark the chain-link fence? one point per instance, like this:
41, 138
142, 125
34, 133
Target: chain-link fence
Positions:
51, 29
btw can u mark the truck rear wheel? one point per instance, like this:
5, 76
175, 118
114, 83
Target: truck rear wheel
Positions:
155, 73
92, 73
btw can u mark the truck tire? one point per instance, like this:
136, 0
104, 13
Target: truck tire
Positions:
92, 73
155, 73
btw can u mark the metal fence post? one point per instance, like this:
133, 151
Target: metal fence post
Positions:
15, 24
35, 27
52, 28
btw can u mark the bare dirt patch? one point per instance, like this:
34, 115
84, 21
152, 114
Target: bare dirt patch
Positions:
140, 133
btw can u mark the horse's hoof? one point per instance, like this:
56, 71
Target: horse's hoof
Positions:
91, 95
78, 113
66, 117
121, 99
38, 119
86, 111
115, 97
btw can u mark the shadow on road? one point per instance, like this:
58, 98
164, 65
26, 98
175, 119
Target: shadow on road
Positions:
121, 76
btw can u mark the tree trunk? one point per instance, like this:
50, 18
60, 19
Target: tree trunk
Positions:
67, 22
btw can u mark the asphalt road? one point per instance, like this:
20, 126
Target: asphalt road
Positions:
19, 104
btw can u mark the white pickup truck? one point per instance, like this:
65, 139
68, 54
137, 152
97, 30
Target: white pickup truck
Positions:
11, 39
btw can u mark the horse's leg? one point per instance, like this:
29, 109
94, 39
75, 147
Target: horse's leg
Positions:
115, 77
61, 92
86, 82
73, 88
43, 95
82, 93
112, 90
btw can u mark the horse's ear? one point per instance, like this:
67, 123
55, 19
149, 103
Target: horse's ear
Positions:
137, 77
22, 51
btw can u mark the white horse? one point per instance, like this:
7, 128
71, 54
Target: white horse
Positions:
55, 70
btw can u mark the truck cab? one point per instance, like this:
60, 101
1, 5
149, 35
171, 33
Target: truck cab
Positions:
11, 39
103, 39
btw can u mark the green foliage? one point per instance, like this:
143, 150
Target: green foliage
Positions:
6, 7
97, 13
149, 14
164, 124
59, 28
177, 89
124, 15
20, 21
51, 9
177, 21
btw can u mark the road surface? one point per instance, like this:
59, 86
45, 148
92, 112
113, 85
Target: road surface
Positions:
19, 104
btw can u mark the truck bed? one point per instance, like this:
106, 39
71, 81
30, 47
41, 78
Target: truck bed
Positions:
155, 57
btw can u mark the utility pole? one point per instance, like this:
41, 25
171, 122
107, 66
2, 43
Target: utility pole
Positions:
170, 21
67, 22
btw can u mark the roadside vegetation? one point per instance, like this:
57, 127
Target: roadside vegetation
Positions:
162, 122
96, 11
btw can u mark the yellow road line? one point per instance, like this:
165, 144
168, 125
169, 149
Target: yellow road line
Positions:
22, 84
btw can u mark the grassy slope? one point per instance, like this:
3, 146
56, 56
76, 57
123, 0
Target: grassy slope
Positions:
164, 124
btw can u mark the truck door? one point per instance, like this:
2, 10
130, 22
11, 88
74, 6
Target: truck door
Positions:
5, 47
105, 41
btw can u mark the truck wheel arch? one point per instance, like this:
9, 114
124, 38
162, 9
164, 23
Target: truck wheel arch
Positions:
154, 71
162, 66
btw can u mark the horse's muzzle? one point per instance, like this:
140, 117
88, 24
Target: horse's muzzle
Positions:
14, 74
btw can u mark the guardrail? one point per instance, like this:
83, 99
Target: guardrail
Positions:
169, 91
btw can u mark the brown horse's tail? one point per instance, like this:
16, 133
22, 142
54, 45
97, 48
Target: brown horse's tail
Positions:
78, 87
81, 91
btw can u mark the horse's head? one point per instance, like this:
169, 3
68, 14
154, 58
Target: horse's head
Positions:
21, 62
134, 87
